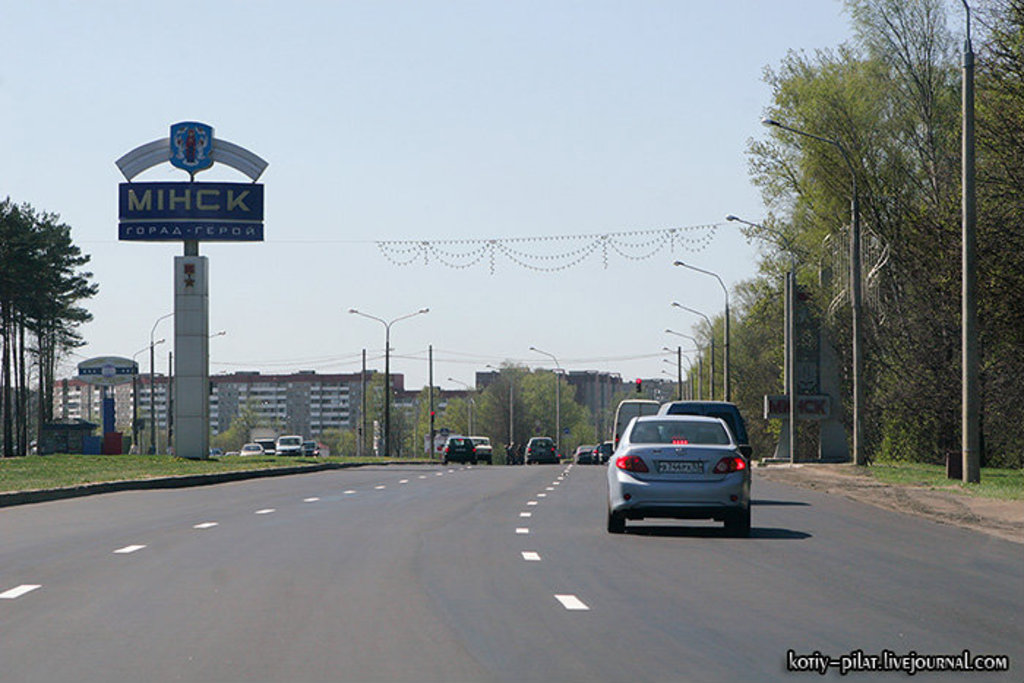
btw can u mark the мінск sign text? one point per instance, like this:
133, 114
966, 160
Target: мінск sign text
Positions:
190, 211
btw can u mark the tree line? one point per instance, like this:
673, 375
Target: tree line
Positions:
892, 98
41, 285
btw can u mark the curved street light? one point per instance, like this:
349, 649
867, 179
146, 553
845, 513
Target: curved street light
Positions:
152, 386
387, 368
135, 397
470, 404
725, 376
711, 336
855, 289
789, 335
700, 363
558, 401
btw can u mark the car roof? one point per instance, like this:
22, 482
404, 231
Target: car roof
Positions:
677, 418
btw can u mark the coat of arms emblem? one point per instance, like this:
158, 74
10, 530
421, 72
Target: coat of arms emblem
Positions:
192, 146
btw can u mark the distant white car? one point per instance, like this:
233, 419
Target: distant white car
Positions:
288, 445
252, 449
680, 467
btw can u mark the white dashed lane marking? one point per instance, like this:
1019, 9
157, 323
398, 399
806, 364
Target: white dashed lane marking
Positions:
571, 602
349, 492
549, 488
379, 488
404, 481
310, 500
19, 591
128, 549
532, 502
542, 495
531, 556
266, 511
526, 514
522, 530
423, 476
205, 525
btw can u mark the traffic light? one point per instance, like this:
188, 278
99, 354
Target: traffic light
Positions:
639, 385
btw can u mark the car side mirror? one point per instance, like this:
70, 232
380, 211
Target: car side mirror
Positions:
746, 451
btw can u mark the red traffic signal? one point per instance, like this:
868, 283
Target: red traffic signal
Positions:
639, 385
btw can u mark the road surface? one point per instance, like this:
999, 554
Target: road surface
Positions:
426, 573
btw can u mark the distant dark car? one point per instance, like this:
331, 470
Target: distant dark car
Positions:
458, 449
540, 449
584, 455
720, 409
310, 449
602, 452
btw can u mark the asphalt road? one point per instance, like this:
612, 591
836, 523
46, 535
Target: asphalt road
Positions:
437, 574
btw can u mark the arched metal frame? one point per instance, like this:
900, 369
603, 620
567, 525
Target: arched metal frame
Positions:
147, 156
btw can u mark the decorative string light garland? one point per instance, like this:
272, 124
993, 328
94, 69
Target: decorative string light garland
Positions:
462, 254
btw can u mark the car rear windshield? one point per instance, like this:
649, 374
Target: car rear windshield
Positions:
679, 432
286, 441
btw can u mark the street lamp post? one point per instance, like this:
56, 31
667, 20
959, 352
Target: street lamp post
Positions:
679, 370
135, 398
859, 457
700, 363
558, 401
725, 375
387, 368
470, 403
789, 337
152, 386
711, 335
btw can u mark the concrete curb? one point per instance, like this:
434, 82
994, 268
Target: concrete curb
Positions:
44, 495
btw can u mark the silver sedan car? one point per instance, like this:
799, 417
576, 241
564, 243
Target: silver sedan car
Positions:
680, 467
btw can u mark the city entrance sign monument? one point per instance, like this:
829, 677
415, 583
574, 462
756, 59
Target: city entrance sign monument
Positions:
191, 212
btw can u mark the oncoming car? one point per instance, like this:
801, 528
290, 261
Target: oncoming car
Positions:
679, 467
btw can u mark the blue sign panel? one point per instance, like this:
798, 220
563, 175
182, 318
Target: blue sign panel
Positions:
167, 211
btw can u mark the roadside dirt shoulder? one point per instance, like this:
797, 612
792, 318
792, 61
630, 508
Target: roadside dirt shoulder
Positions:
1001, 518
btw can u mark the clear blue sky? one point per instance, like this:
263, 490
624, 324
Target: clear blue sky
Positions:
415, 120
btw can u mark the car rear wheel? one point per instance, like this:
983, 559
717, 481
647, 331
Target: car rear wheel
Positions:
616, 523
738, 524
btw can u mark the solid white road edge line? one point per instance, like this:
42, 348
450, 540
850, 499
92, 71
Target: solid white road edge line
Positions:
571, 602
128, 549
19, 591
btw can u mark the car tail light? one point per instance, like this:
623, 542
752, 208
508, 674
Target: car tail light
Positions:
631, 463
730, 464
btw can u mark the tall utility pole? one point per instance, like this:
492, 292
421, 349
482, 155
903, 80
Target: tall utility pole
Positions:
970, 417
430, 381
362, 408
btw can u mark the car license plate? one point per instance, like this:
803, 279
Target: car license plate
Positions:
680, 467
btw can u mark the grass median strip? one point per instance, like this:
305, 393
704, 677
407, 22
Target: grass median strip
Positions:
40, 472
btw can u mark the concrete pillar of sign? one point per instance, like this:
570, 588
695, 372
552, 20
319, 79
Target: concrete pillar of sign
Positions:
782, 451
191, 357
832, 442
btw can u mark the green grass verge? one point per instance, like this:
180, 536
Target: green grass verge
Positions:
58, 471
1003, 484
